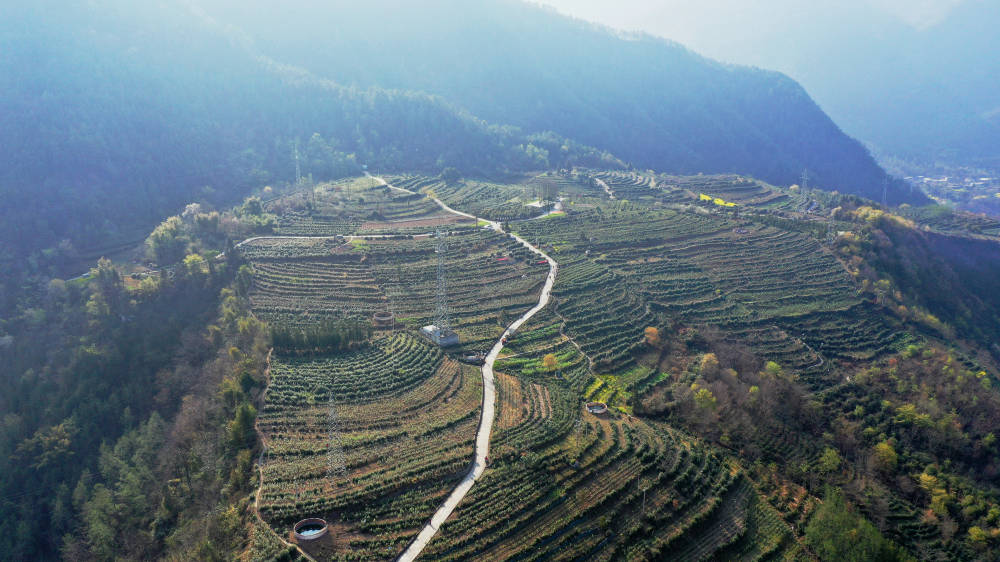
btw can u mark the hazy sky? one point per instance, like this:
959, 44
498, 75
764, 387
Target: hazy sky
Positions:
723, 29
873, 65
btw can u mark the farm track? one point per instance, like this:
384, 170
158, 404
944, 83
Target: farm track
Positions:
489, 395
562, 332
260, 468
607, 189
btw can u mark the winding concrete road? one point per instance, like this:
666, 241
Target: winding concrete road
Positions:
489, 396
485, 422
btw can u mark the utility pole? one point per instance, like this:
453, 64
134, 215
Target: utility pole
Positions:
644, 484
885, 189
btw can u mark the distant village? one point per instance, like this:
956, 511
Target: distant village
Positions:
978, 193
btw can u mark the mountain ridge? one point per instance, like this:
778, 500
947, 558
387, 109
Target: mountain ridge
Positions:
649, 101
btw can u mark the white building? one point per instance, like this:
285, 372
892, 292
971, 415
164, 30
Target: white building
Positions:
444, 338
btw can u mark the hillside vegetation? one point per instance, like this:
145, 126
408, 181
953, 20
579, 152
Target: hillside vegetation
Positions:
749, 347
705, 366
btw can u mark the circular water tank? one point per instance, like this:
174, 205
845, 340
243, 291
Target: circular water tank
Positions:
382, 319
597, 408
310, 529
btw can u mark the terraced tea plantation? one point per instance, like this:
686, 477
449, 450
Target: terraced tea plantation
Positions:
653, 271
721, 190
358, 206
781, 293
949, 221
307, 281
736, 189
493, 201
568, 485
371, 440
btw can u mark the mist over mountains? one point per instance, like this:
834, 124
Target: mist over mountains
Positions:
924, 93
112, 119
119, 113
651, 102
916, 80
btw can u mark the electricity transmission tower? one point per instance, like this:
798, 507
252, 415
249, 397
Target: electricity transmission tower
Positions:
398, 288
804, 190
298, 168
335, 464
441, 309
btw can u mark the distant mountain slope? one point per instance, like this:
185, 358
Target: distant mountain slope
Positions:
931, 95
118, 113
649, 101
918, 80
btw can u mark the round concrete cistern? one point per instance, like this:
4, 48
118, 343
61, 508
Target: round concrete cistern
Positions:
310, 529
597, 408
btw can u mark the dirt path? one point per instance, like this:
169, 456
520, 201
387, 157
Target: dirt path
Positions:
347, 237
562, 332
260, 466
611, 194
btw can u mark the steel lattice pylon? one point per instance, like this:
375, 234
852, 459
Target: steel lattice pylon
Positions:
441, 309
298, 169
335, 464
